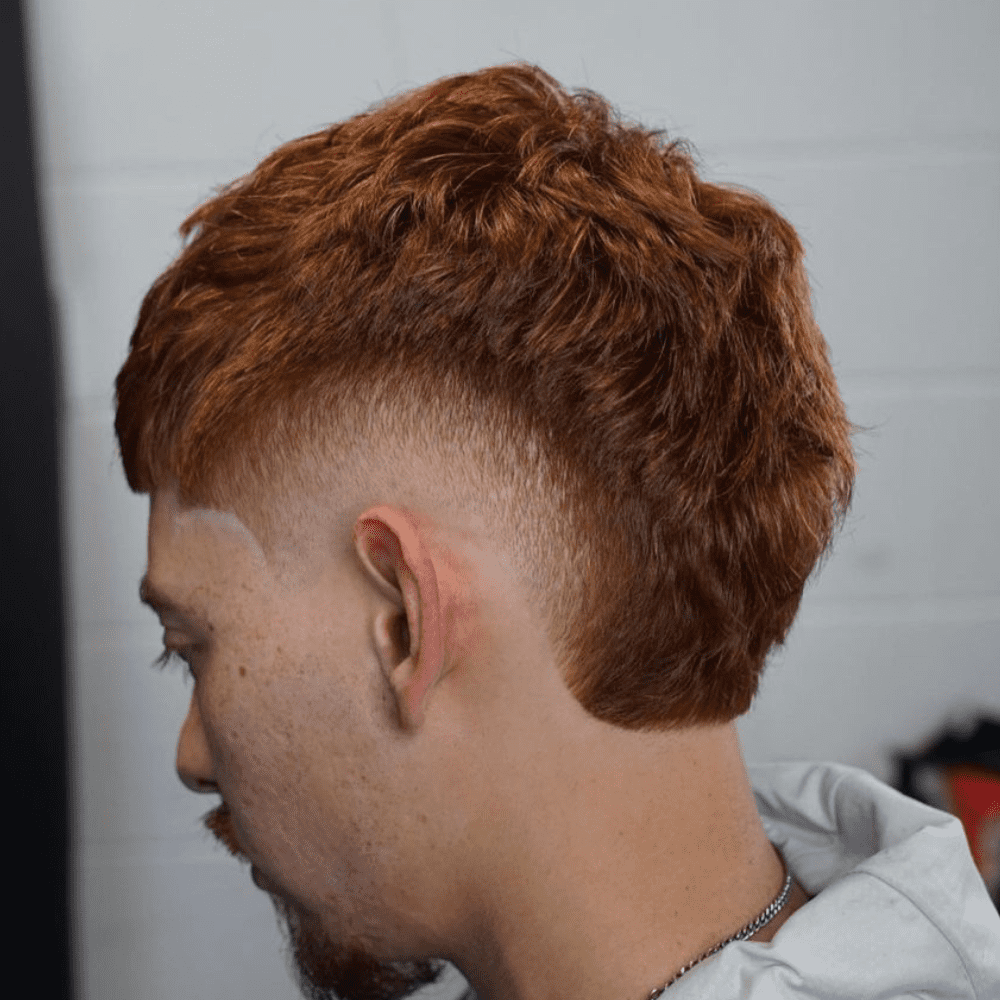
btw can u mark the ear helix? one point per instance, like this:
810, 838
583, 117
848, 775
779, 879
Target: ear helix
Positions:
384, 577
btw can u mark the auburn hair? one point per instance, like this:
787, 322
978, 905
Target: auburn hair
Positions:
620, 357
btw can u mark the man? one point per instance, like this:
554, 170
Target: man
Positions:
489, 450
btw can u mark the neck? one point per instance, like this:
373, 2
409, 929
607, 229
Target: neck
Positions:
613, 874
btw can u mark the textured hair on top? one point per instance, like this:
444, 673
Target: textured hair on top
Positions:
618, 357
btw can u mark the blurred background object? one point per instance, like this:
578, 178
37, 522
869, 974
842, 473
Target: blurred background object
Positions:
34, 680
959, 771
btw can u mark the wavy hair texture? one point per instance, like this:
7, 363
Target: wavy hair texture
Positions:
615, 358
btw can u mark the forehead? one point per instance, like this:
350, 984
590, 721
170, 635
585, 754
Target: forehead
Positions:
197, 556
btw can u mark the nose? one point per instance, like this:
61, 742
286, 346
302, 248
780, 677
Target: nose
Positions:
194, 760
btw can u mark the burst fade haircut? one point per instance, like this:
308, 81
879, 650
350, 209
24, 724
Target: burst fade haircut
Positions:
613, 358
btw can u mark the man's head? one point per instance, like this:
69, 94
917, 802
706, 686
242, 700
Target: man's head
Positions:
481, 380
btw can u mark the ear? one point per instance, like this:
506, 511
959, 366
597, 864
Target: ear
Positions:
395, 556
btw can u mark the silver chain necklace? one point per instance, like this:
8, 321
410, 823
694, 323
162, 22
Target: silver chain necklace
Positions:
755, 925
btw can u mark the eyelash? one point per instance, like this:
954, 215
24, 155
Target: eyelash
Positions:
172, 658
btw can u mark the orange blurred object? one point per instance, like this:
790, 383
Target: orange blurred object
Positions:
975, 799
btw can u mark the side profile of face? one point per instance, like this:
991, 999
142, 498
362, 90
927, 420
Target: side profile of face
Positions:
293, 723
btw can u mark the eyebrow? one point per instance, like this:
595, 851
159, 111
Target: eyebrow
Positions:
161, 604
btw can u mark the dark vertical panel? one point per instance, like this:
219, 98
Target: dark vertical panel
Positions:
33, 671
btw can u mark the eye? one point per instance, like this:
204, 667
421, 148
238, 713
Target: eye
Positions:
174, 658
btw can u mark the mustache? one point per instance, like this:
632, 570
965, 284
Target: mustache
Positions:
219, 822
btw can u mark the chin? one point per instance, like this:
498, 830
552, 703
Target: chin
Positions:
331, 970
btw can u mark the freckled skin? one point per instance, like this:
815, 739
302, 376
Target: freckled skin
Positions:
402, 763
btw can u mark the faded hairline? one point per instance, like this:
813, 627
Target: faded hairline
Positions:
461, 460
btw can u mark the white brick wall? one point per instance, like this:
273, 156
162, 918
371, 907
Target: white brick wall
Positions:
874, 126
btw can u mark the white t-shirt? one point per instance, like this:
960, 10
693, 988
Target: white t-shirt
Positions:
900, 909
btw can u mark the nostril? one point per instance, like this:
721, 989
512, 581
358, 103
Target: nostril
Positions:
200, 785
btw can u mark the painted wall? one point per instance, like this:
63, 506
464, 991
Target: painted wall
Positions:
875, 127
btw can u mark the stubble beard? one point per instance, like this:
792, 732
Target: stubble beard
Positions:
324, 969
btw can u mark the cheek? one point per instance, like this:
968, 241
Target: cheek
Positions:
299, 738
272, 811
252, 763
264, 752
